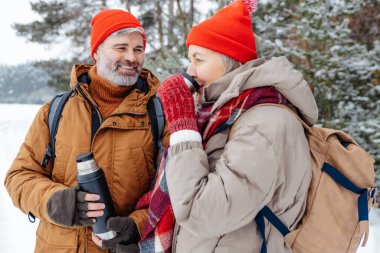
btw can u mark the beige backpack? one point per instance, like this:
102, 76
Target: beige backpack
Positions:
340, 195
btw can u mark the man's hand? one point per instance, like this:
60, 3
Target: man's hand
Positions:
120, 248
71, 207
127, 235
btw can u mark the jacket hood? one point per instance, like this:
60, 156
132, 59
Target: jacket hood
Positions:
277, 72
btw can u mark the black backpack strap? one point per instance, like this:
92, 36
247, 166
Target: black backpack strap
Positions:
157, 123
55, 113
96, 119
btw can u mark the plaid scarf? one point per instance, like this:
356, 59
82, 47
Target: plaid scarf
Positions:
216, 122
158, 229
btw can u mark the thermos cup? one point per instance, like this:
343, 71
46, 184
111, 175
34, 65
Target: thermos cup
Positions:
91, 179
190, 82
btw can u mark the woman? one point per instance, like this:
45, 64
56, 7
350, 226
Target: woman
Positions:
234, 157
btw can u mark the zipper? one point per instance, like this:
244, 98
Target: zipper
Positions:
175, 235
91, 104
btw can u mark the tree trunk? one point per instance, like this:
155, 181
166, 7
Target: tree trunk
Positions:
128, 5
191, 13
160, 27
181, 14
171, 40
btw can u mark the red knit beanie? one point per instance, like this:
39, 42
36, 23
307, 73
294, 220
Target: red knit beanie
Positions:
228, 32
108, 21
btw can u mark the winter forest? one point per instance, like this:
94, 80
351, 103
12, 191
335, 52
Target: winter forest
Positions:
335, 43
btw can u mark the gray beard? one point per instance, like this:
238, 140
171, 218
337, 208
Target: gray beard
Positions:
105, 70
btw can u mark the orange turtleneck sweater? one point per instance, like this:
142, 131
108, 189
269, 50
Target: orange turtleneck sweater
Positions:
107, 96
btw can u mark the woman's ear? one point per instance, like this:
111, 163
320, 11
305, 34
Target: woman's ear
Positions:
96, 57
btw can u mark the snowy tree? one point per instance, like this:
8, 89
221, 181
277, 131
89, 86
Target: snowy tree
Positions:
166, 23
27, 86
335, 43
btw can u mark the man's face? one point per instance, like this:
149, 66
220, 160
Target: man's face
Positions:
120, 59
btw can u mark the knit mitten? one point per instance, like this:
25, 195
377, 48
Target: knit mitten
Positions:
178, 104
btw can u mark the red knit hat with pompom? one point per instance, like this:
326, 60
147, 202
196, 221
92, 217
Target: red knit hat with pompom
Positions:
228, 32
108, 21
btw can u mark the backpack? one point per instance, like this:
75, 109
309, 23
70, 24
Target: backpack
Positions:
155, 111
339, 197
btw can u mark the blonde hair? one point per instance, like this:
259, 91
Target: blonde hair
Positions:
229, 63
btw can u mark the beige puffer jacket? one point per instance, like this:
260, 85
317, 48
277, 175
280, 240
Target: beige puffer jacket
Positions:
262, 160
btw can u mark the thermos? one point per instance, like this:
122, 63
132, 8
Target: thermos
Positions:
190, 82
91, 179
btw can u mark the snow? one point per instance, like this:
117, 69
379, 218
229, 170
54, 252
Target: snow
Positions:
17, 234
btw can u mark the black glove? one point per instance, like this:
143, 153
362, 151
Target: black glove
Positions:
127, 235
67, 207
131, 248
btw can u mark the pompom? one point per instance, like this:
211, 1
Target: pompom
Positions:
250, 4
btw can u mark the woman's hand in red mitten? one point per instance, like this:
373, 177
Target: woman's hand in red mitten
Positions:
178, 104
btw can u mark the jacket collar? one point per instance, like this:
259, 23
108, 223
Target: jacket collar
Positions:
135, 102
277, 72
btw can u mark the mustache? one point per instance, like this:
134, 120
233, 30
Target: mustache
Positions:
128, 63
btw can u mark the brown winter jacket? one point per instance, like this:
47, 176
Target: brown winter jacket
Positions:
122, 146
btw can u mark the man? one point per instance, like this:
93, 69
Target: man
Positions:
117, 89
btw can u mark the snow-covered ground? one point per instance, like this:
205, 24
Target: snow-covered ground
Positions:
17, 234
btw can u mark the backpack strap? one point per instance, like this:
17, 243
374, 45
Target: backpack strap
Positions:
340, 179
156, 117
157, 123
274, 220
55, 113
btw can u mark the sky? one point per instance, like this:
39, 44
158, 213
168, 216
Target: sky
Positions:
14, 49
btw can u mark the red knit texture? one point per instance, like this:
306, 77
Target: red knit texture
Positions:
178, 104
108, 21
228, 32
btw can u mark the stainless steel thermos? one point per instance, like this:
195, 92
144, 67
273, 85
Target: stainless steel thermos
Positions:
91, 179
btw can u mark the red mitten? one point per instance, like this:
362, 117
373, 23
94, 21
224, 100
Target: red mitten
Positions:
178, 104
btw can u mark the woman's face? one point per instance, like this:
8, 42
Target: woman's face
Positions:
205, 66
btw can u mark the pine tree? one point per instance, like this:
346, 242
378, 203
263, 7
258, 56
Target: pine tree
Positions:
336, 45
166, 23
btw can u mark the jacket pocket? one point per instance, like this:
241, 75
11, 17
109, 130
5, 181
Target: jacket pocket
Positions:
53, 238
